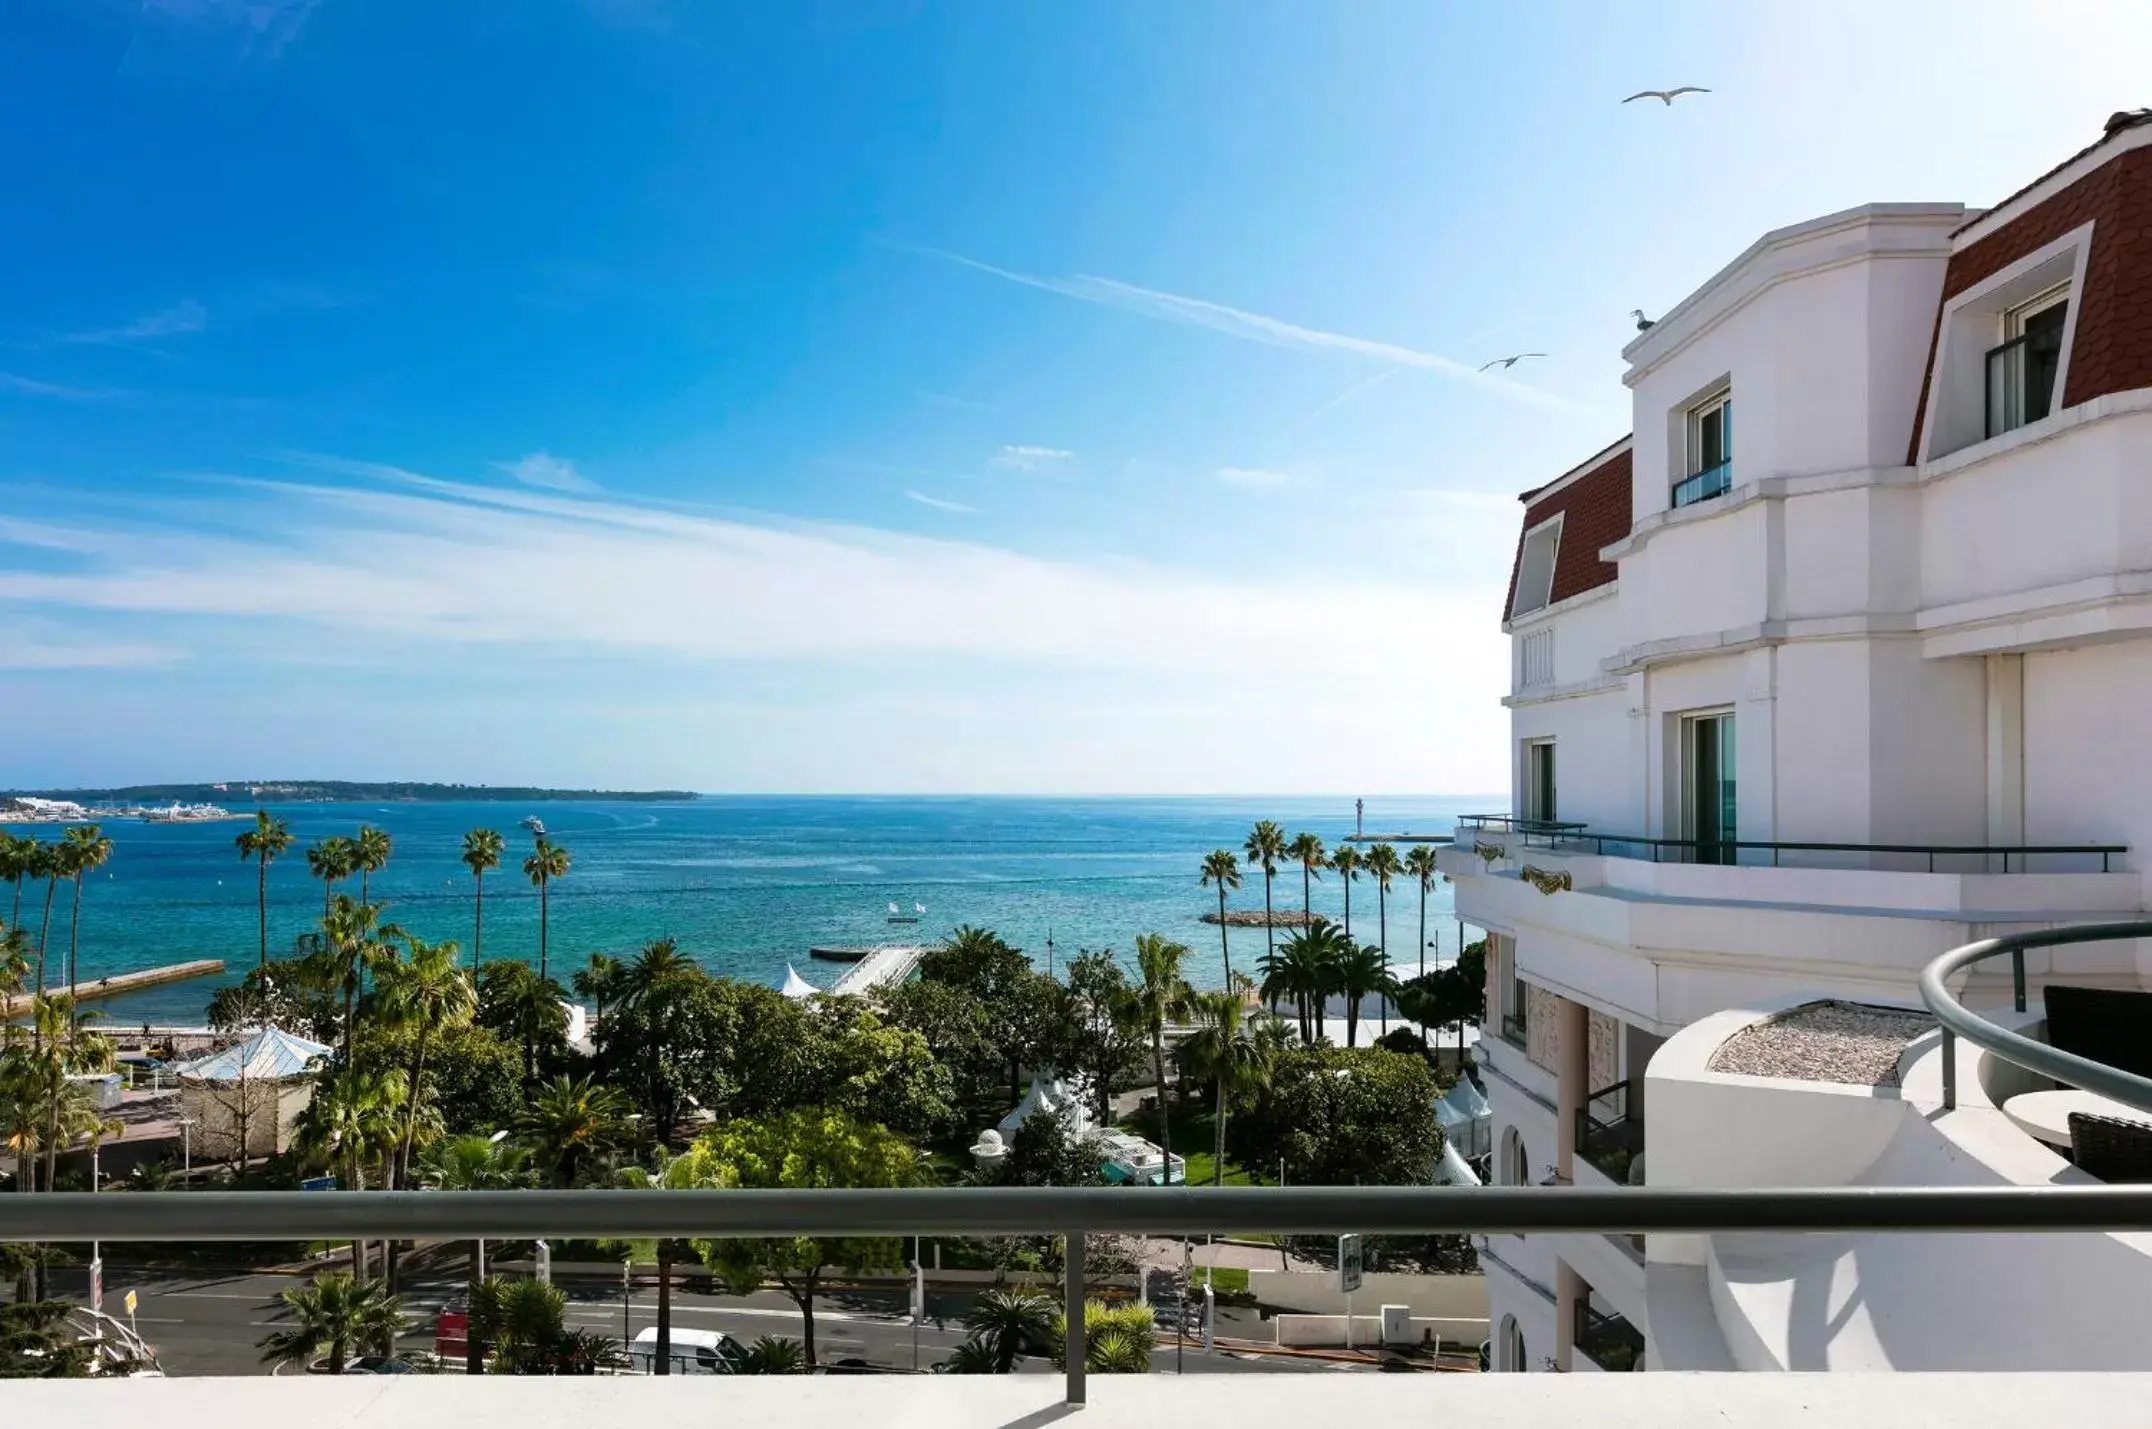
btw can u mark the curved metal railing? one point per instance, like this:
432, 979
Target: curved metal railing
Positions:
1960, 1021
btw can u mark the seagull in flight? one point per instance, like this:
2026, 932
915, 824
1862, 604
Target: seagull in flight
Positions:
1506, 363
1666, 96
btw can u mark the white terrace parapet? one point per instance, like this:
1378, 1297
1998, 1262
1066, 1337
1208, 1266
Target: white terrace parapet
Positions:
1511, 1401
1871, 1302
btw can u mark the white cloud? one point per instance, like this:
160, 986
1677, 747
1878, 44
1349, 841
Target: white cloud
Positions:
547, 472
941, 503
32, 387
448, 564
1255, 478
1258, 327
1032, 459
179, 319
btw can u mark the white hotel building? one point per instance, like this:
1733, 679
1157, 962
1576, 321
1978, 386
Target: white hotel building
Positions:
1872, 568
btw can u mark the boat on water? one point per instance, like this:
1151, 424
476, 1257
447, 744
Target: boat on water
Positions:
898, 915
187, 814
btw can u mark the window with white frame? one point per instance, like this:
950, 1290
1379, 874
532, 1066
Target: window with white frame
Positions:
1535, 567
2022, 368
1708, 449
1539, 780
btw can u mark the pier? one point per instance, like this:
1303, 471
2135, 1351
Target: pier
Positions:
118, 983
876, 967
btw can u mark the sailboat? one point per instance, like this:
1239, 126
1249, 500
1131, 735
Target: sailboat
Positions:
898, 915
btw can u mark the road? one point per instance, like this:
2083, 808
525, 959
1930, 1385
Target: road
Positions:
205, 1323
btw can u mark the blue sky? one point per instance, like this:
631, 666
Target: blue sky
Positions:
854, 396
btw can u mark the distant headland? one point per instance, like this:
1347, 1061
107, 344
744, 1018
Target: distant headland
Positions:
340, 791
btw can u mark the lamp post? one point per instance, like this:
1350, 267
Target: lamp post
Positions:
186, 1149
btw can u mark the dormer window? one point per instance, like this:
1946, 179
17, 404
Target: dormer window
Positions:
2022, 369
1710, 464
1535, 568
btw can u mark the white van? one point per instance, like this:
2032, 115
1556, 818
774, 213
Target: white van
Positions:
693, 1352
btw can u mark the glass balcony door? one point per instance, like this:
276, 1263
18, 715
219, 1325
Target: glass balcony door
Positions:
1707, 793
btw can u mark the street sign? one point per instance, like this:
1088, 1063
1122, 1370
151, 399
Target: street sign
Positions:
318, 1183
129, 1302
1348, 1263
97, 1282
545, 1264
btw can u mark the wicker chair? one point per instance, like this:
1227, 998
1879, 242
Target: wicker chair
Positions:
2105, 1024
2115, 1151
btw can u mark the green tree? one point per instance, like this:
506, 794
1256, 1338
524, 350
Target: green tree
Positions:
475, 1163
300, 995
354, 942
1347, 863
1305, 970
331, 860
428, 993
67, 1043
1307, 850
527, 1010
1222, 870
800, 1150
331, 1318
1224, 1051
264, 843
574, 1127
1162, 996
1453, 996
482, 849
1265, 849
1006, 1325
45, 862
1360, 972
352, 1121
1382, 865
1422, 864
369, 855
85, 849
1107, 1033
17, 859
771, 1355
548, 861
958, 1031
36, 1342
1117, 1339
1342, 1116
601, 980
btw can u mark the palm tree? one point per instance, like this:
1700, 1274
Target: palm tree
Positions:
264, 843
1162, 996
67, 1045
1382, 865
648, 985
15, 862
331, 1317
45, 862
85, 849
481, 854
547, 862
1305, 970
475, 1163
602, 981
771, 1355
1421, 862
1006, 1325
1348, 862
1265, 849
369, 855
1358, 972
1307, 850
428, 993
570, 1122
330, 859
1222, 869
1223, 1051
353, 1119
355, 941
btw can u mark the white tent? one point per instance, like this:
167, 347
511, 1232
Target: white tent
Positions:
1055, 1097
250, 1093
270, 1054
1467, 1120
1451, 1170
797, 986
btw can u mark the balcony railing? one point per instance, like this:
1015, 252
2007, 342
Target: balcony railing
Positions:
1612, 1342
1711, 481
1608, 1135
71, 1216
1560, 836
2036, 1057
1513, 1028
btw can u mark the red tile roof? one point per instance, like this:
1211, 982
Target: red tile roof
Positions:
1595, 509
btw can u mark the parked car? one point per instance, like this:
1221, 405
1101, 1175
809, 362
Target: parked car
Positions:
693, 1352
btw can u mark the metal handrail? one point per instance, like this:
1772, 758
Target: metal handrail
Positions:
2037, 1057
1593, 1329
1070, 1211
1581, 833
1703, 485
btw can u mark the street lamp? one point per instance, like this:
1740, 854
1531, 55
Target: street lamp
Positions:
186, 1149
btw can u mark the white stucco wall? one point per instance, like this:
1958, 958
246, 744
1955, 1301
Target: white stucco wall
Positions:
2087, 774
1594, 773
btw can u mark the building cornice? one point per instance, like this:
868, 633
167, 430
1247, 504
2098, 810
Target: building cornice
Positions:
1539, 617
1769, 488
1710, 644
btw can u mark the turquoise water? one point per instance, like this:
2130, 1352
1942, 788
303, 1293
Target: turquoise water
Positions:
746, 884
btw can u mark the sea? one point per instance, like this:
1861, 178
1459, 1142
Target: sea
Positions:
747, 885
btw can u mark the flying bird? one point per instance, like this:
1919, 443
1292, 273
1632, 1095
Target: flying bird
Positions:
1666, 96
1643, 324
1506, 363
